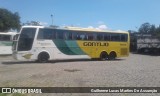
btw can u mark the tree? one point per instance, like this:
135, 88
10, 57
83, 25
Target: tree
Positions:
145, 28
158, 31
152, 30
9, 20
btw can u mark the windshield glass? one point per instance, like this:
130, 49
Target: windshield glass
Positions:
26, 39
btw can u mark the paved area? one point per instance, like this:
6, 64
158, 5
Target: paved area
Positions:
133, 71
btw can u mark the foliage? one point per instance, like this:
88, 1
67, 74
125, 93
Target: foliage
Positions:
9, 20
158, 31
147, 28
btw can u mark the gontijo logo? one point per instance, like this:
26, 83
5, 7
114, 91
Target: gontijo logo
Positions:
95, 44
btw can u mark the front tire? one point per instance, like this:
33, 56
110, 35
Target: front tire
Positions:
43, 57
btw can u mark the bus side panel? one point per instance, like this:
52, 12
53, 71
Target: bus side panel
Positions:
5, 47
57, 50
94, 48
5, 50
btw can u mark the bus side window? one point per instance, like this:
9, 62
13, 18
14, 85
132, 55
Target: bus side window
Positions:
94, 36
74, 36
85, 36
89, 36
123, 37
5, 37
100, 37
40, 34
53, 35
78, 36
82, 36
60, 34
68, 35
46, 34
115, 37
107, 37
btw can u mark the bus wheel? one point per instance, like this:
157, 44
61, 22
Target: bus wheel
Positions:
104, 56
43, 57
112, 56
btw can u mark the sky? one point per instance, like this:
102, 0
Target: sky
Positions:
104, 14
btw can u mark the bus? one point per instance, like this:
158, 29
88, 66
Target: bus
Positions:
42, 43
6, 42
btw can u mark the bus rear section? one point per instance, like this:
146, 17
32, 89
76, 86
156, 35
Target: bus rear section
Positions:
107, 46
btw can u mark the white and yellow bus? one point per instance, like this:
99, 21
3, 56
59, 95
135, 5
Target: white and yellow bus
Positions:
46, 43
6, 42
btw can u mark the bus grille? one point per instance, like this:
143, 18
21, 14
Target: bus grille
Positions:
124, 51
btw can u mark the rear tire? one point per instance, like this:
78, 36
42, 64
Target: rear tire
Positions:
112, 56
43, 57
103, 56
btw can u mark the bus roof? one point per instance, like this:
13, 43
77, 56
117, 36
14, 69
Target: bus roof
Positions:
8, 33
92, 29
77, 29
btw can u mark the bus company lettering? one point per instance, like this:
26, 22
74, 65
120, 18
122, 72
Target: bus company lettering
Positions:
44, 44
95, 44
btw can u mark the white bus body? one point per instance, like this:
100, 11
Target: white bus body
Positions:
6, 40
47, 43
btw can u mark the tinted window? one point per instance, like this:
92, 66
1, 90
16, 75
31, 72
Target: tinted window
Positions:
81, 36
78, 36
68, 35
74, 36
46, 34
90, 36
26, 39
60, 34
107, 37
115, 37
5, 37
99, 36
124, 37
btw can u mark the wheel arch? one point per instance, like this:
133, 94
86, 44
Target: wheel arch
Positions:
112, 55
102, 53
44, 51
114, 52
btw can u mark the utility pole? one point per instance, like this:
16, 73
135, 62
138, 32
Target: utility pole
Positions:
52, 19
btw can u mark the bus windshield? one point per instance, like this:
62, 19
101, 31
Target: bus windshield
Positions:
26, 39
